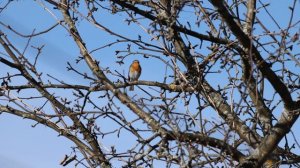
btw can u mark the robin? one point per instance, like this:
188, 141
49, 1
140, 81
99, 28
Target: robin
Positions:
134, 72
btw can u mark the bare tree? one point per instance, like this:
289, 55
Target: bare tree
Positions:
227, 97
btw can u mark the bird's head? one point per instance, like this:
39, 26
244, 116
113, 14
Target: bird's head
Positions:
136, 61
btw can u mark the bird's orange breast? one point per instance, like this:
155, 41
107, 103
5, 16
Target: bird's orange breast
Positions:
136, 66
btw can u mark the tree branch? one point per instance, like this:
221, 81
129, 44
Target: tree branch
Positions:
254, 54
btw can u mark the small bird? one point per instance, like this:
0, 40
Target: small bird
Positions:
134, 72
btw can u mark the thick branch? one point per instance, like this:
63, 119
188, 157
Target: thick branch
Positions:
251, 10
207, 141
170, 87
288, 117
254, 54
264, 113
101, 76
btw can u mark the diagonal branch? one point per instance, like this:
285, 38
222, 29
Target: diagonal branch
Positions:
212, 96
208, 141
86, 133
254, 54
102, 77
133, 106
48, 123
263, 112
181, 29
291, 112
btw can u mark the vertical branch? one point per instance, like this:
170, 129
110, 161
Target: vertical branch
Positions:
263, 112
262, 65
288, 116
250, 17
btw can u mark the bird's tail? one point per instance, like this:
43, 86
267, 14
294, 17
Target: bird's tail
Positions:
131, 88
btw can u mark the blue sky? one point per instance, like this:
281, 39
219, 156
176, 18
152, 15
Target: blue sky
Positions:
41, 147
27, 147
